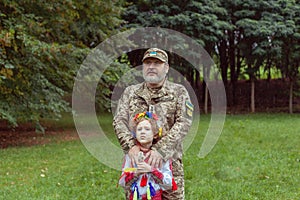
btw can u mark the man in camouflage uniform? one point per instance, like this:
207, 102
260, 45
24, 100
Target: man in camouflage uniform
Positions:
171, 102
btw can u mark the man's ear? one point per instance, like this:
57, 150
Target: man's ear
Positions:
167, 67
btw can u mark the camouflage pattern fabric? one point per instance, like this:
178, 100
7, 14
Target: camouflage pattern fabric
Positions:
172, 104
178, 174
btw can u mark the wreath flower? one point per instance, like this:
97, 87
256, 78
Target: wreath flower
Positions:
147, 115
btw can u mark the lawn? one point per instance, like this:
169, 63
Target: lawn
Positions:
256, 157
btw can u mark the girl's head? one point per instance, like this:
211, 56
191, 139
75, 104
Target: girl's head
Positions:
144, 132
145, 127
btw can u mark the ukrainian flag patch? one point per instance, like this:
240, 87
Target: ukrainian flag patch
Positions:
189, 108
153, 53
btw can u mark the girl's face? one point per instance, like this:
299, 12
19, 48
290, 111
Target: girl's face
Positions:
144, 133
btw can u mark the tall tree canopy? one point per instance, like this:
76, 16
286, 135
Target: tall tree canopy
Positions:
243, 37
42, 44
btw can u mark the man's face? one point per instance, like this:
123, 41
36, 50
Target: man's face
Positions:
154, 70
144, 133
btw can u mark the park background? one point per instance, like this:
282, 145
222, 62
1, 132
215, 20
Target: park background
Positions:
254, 44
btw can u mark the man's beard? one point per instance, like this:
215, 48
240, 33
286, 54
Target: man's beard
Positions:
154, 79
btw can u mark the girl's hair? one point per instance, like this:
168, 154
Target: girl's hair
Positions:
152, 122
152, 118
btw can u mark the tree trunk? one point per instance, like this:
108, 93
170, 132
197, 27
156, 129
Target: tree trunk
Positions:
205, 100
234, 82
268, 66
198, 84
252, 95
206, 76
192, 78
232, 64
291, 97
222, 48
232, 57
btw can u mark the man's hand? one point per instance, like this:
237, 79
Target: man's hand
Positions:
143, 167
155, 159
133, 155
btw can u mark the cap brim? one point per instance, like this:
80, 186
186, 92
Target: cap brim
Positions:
149, 56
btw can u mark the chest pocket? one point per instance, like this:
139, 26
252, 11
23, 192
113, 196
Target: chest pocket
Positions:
168, 104
137, 105
166, 107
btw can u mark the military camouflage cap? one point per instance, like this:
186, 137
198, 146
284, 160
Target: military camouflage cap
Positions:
156, 53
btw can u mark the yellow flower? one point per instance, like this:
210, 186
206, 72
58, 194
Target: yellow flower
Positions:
141, 115
160, 132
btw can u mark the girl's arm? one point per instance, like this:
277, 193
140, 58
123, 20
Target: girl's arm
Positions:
129, 174
164, 176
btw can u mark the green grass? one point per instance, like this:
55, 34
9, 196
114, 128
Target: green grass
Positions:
256, 157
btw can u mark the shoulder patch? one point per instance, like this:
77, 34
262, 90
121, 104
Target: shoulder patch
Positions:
189, 108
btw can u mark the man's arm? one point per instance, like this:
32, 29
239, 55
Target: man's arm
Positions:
121, 122
166, 146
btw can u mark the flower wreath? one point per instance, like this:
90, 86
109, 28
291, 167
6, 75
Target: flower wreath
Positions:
148, 115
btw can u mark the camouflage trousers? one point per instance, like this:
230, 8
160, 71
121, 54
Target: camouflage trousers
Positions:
178, 174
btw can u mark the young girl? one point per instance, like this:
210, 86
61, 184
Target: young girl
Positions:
142, 181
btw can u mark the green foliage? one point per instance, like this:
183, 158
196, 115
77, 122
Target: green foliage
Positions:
198, 19
108, 81
263, 29
43, 43
242, 36
289, 60
42, 46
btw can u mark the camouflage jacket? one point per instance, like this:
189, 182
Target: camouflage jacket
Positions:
172, 105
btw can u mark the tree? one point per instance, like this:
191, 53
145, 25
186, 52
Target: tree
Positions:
255, 41
288, 41
197, 19
42, 45
244, 37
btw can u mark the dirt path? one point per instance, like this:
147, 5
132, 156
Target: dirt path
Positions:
10, 138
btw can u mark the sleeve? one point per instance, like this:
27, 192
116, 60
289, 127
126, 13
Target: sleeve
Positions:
121, 121
127, 177
164, 176
183, 121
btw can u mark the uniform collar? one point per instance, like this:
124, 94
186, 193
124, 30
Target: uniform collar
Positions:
147, 93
